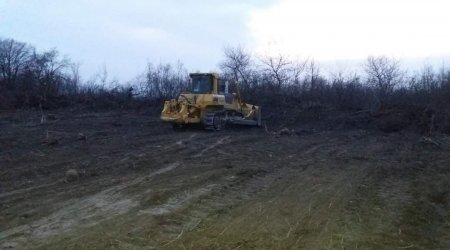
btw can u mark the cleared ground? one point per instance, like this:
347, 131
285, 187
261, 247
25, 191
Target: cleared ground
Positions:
141, 185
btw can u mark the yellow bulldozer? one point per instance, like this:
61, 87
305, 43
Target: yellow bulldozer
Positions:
210, 104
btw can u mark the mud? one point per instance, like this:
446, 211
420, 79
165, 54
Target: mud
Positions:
142, 185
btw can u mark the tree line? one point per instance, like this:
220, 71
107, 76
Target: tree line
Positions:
31, 79
381, 82
47, 80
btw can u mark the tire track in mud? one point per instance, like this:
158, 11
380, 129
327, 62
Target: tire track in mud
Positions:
189, 206
214, 145
129, 159
220, 199
236, 189
374, 213
84, 212
196, 204
104, 205
386, 208
312, 169
285, 182
177, 201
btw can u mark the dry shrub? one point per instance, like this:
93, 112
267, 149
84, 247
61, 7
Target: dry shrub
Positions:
391, 121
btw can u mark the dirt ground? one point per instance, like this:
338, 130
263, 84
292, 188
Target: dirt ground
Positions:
123, 180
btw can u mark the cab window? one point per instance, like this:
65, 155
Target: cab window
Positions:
221, 86
201, 84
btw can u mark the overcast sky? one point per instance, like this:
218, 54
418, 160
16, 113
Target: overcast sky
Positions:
125, 35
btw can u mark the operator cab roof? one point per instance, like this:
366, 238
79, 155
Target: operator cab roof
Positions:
204, 74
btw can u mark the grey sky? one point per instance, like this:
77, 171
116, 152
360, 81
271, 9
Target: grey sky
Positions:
125, 35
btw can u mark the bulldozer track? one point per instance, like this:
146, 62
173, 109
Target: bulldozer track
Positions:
214, 120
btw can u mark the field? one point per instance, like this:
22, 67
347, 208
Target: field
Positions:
123, 180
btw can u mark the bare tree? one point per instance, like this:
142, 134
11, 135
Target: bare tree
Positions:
314, 73
103, 75
298, 67
384, 74
428, 78
238, 63
278, 68
14, 56
50, 73
75, 78
48, 65
164, 80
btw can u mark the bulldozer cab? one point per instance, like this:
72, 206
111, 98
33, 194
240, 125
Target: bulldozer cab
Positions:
201, 84
207, 84
223, 86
